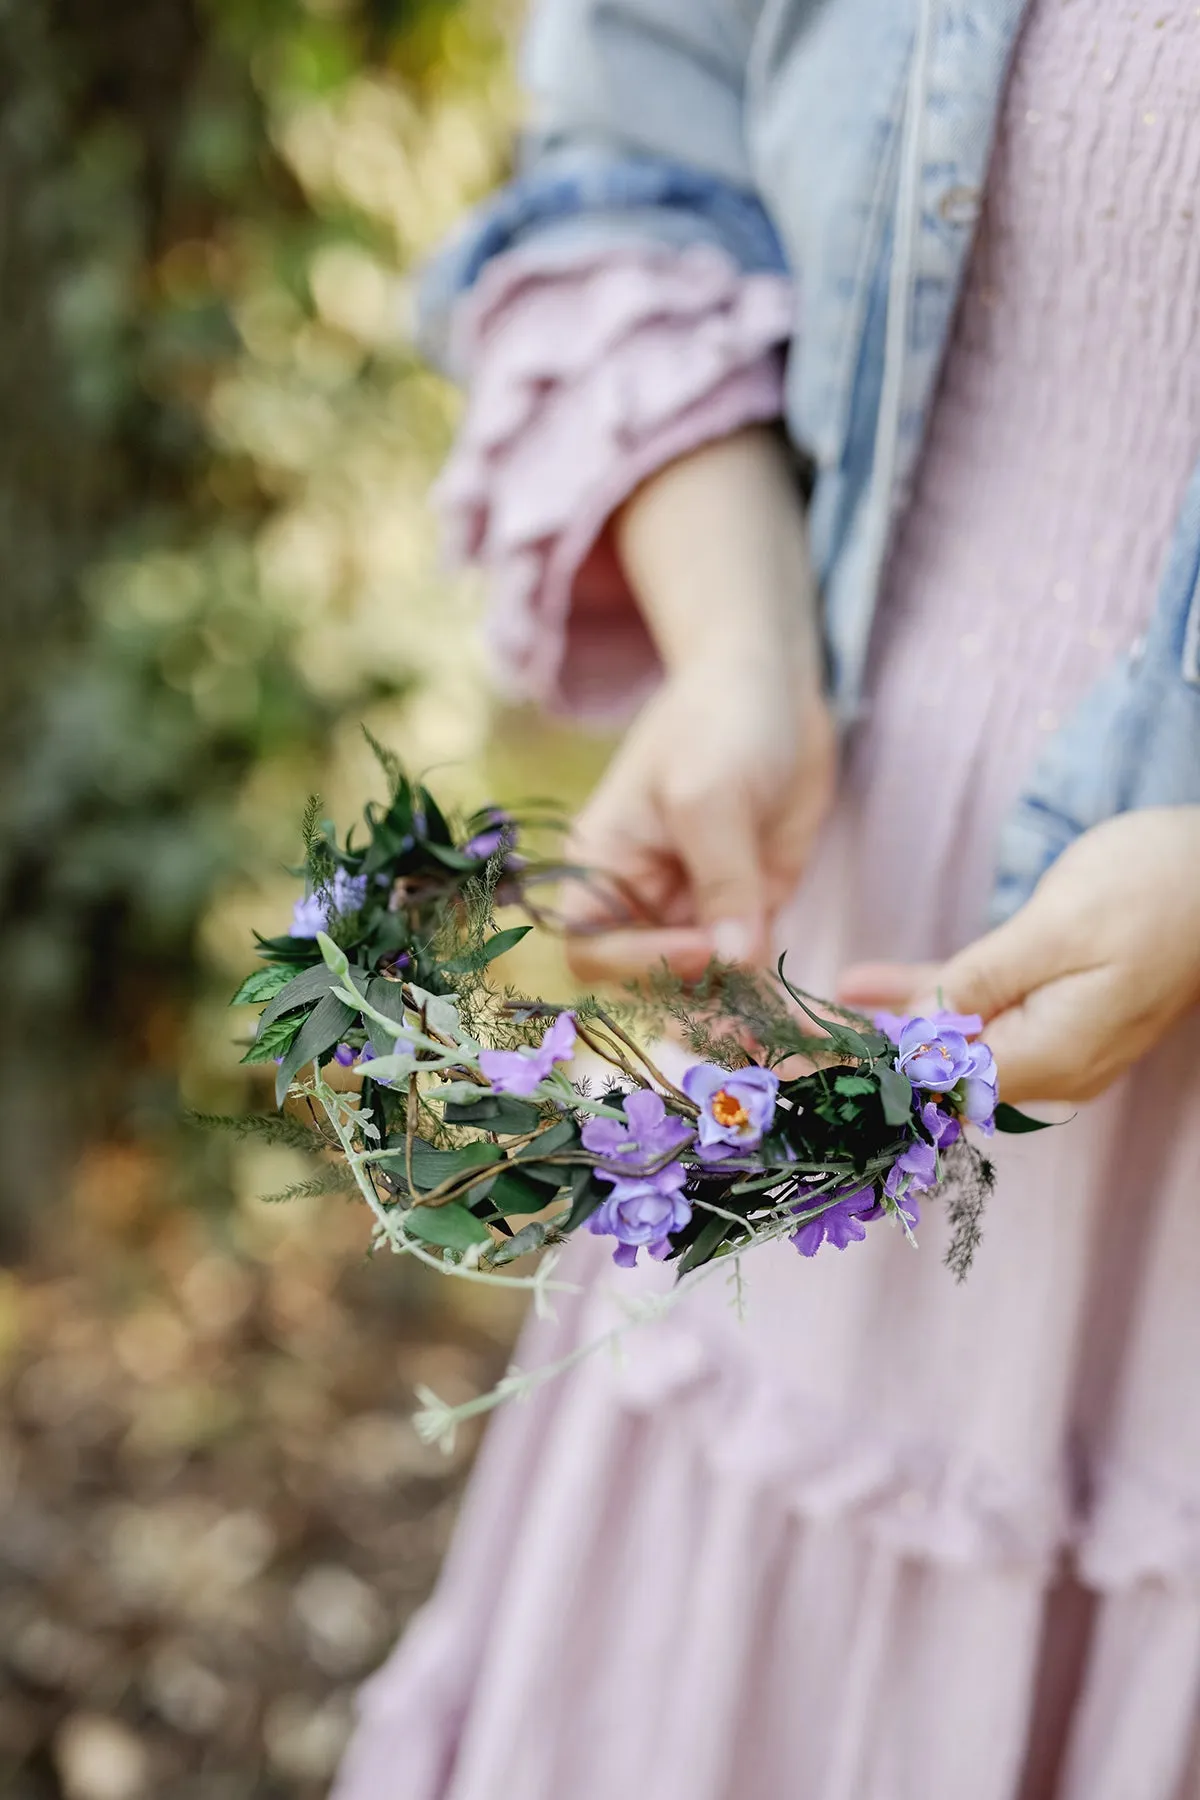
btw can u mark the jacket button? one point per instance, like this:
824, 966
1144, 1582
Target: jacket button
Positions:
959, 205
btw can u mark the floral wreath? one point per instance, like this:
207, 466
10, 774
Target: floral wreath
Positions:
457, 1111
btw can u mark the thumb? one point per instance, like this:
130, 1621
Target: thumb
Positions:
720, 852
998, 970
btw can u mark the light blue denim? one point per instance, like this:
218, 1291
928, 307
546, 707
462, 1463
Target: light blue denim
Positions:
845, 141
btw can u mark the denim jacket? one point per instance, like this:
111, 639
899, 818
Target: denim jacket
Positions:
847, 142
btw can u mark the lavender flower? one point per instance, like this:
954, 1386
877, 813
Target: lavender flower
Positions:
981, 1089
913, 1171
650, 1133
313, 912
942, 1128
933, 1059
521, 1071
345, 1055
643, 1212
844, 1223
892, 1024
736, 1106
499, 829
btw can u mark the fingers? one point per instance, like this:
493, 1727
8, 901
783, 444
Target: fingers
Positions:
988, 977
719, 847
887, 987
625, 955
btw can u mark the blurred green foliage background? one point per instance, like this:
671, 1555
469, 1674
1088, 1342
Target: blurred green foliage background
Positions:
218, 560
215, 447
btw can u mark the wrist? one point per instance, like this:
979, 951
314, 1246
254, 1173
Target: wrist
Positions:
790, 658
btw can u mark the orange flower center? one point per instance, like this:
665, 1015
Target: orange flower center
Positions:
727, 1110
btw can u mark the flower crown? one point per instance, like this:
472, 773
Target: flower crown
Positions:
462, 1116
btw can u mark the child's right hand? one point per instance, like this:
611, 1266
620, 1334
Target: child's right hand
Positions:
704, 820
705, 817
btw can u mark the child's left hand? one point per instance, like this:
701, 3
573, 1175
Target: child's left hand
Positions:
1089, 974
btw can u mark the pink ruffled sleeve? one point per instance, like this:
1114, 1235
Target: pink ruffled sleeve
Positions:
582, 382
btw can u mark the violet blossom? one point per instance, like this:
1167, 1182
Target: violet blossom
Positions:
932, 1058
312, 912
942, 1127
642, 1213
649, 1134
498, 829
737, 1106
845, 1222
981, 1089
521, 1071
892, 1024
913, 1171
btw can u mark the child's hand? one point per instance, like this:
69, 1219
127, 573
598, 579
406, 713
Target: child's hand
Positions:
708, 810
1089, 974
704, 820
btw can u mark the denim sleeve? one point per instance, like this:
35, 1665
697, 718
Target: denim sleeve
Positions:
576, 200
636, 136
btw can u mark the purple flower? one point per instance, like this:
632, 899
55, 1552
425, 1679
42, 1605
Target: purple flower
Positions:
309, 916
643, 1212
942, 1128
403, 1046
736, 1106
345, 894
914, 1170
844, 1223
892, 1024
651, 1132
498, 830
981, 1089
931, 1058
520, 1071
344, 1054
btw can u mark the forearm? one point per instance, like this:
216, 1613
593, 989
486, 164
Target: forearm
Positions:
715, 549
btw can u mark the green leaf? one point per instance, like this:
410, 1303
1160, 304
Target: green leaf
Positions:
432, 1167
849, 1083
320, 1031
501, 1113
302, 990
1009, 1119
449, 1227
518, 1191
441, 1011
287, 949
896, 1093
587, 1195
264, 984
274, 1041
386, 997
563, 1136
487, 953
453, 859
530, 1237
863, 1046
705, 1247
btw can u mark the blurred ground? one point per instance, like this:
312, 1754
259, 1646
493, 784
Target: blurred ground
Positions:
214, 1513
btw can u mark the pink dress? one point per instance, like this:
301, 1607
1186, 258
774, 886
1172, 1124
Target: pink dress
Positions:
889, 1538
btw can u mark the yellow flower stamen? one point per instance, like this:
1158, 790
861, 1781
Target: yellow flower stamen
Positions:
728, 1110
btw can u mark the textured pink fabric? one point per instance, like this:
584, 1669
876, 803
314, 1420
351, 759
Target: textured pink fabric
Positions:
812, 1556
585, 380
